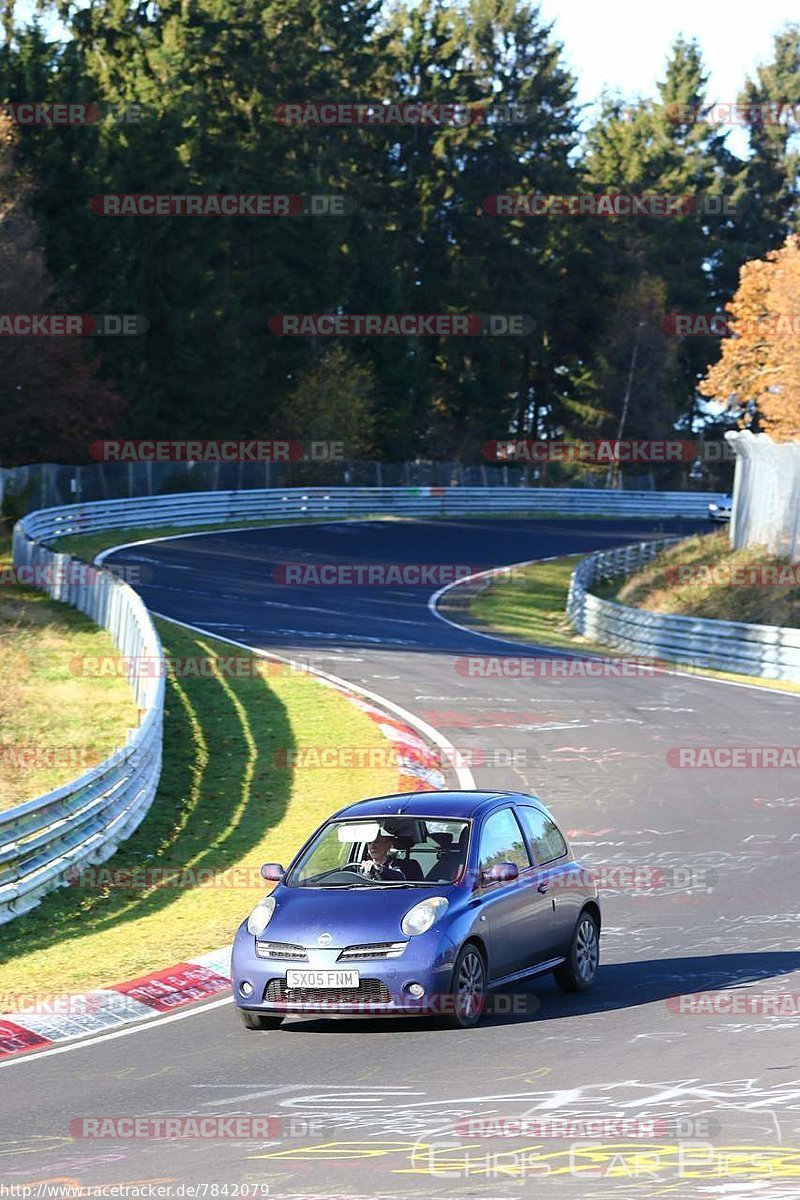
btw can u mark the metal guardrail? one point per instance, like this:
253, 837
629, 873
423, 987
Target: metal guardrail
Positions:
768, 651
43, 485
44, 840
202, 508
83, 822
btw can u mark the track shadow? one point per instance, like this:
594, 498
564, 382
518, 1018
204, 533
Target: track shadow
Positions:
217, 797
618, 986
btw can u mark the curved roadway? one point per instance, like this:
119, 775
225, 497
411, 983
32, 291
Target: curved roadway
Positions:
382, 1097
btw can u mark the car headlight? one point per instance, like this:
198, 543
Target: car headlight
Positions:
261, 916
420, 918
713, 507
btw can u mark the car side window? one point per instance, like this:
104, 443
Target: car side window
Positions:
502, 841
544, 835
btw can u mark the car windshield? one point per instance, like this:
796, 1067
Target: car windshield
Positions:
384, 852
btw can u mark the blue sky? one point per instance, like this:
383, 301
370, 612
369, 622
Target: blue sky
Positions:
623, 45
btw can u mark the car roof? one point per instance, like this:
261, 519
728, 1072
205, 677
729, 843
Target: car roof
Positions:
434, 804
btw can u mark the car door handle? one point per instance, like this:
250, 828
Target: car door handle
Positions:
543, 886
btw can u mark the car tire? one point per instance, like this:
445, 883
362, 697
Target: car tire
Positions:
578, 972
256, 1020
467, 995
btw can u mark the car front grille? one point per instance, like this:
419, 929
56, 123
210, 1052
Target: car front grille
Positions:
281, 950
369, 991
377, 950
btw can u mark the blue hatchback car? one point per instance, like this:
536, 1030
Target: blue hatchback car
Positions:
418, 903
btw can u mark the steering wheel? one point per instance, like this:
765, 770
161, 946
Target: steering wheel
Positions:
347, 870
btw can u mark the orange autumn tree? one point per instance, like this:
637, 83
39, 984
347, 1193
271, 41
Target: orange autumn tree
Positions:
760, 361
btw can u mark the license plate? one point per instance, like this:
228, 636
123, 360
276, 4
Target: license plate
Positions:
322, 979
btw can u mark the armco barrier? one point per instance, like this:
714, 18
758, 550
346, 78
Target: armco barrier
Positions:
84, 821
202, 508
767, 651
43, 485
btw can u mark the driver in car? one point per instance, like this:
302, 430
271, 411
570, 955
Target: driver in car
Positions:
377, 864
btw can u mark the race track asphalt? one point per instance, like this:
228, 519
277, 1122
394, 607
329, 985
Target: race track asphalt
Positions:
369, 1107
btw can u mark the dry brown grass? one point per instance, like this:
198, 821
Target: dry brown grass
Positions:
713, 595
54, 723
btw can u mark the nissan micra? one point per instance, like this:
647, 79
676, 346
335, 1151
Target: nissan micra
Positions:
418, 903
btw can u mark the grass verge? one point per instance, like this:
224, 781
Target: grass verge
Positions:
224, 802
54, 724
695, 578
526, 606
530, 607
88, 545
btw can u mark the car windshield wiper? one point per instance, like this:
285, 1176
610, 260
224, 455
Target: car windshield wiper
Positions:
339, 887
366, 881
405, 883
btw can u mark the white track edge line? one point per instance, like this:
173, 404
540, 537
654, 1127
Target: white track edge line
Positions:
100, 558
433, 603
93, 1040
463, 774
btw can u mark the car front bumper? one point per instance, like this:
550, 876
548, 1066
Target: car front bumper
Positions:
383, 990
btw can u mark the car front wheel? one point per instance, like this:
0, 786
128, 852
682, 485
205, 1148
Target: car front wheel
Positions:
578, 972
467, 999
255, 1020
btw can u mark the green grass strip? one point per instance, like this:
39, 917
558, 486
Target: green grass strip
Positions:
54, 722
530, 606
225, 803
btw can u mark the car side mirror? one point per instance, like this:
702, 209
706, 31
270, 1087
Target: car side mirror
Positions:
273, 872
504, 872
